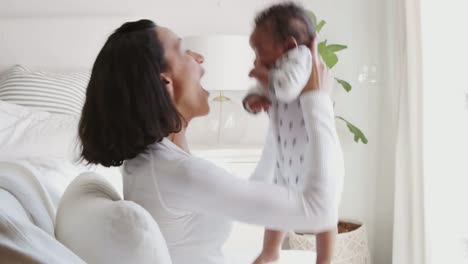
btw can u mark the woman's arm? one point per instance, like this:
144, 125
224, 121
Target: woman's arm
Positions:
201, 186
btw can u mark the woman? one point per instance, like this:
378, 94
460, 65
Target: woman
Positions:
143, 93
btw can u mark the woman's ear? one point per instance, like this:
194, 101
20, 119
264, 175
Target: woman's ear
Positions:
291, 43
167, 80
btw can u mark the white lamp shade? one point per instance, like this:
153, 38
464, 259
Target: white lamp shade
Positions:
228, 61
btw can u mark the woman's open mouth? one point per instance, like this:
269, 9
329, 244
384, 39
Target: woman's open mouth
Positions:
203, 88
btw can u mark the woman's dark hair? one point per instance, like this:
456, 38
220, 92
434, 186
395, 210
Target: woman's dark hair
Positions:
127, 105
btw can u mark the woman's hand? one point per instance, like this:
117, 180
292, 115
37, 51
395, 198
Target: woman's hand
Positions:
321, 77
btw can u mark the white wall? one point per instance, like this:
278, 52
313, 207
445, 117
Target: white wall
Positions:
446, 129
83, 26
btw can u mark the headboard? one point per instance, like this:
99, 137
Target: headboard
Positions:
54, 43
66, 35
58, 43
63, 34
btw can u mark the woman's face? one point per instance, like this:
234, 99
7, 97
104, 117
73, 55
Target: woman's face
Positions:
183, 76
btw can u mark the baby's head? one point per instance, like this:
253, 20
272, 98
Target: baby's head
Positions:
280, 28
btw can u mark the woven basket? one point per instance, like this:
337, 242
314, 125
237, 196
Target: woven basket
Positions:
351, 247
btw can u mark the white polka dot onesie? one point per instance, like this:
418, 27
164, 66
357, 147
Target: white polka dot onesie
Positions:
287, 79
294, 150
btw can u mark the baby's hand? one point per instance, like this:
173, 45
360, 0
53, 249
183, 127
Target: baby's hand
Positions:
256, 103
261, 73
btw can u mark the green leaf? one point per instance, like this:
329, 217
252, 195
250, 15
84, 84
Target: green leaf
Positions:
345, 84
330, 59
358, 135
336, 47
313, 17
322, 48
328, 56
319, 26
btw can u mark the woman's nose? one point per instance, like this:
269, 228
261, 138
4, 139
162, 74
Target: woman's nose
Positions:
198, 57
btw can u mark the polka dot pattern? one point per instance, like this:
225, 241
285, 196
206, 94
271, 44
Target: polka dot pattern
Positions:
289, 127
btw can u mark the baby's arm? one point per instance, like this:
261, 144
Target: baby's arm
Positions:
257, 96
291, 74
256, 100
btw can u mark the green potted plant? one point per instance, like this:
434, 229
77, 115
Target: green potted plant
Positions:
329, 56
351, 245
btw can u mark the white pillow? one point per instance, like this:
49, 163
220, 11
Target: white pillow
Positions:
51, 92
98, 226
48, 142
26, 132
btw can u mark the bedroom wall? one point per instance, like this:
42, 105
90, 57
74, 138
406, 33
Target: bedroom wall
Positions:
446, 129
66, 34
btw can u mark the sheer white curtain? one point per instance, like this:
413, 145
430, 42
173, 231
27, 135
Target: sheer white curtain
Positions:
445, 55
409, 241
428, 82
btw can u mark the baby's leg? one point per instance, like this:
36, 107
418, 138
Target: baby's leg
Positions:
272, 241
325, 244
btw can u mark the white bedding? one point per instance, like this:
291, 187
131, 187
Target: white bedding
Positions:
20, 179
26, 133
24, 243
49, 143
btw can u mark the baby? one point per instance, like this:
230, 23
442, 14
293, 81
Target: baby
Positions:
281, 40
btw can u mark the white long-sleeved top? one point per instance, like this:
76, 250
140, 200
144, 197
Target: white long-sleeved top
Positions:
193, 200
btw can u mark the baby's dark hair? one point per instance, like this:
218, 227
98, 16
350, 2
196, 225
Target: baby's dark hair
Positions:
287, 20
